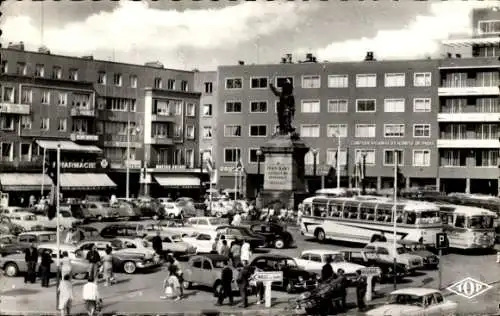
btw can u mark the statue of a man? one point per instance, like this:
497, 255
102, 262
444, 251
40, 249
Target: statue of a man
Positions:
286, 107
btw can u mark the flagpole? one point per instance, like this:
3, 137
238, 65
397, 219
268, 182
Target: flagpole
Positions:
43, 172
396, 158
338, 161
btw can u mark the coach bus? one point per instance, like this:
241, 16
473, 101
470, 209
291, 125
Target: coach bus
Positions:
364, 219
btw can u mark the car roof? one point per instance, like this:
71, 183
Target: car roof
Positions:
273, 256
213, 257
37, 233
53, 245
22, 213
380, 244
419, 291
321, 251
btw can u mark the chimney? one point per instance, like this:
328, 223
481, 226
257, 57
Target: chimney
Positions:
309, 57
283, 60
369, 56
44, 50
289, 58
241, 62
314, 60
154, 64
89, 57
458, 55
18, 46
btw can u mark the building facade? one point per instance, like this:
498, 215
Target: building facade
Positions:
372, 107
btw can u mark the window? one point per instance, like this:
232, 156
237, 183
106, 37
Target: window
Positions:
171, 84
101, 77
489, 27
82, 126
233, 107
73, 74
133, 81
422, 105
232, 154
309, 157
190, 158
394, 130
311, 82
368, 153
56, 72
234, 83
310, 130
207, 109
337, 106
258, 130
365, 130
25, 151
338, 81
421, 158
394, 105
178, 107
62, 126
281, 80
26, 122
190, 109
389, 157
158, 83
366, 105
44, 124
232, 130
45, 97
81, 100
190, 132
486, 158
21, 68
258, 106
8, 94
62, 98
422, 130
336, 130
331, 157
7, 122
117, 80
259, 83
39, 70
395, 80
310, 106
27, 95
253, 157
422, 79
112, 104
160, 130
207, 132
184, 85
177, 131
453, 157
4, 67
7, 151
209, 87
366, 81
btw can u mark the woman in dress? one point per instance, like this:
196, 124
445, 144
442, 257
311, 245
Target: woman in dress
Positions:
107, 264
65, 295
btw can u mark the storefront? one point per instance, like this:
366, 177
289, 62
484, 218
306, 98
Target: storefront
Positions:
177, 181
18, 187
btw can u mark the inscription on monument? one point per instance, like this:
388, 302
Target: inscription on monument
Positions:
278, 173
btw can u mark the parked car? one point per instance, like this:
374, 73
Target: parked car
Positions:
150, 208
9, 245
173, 243
386, 251
294, 277
430, 260
14, 209
203, 241
8, 227
124, 229
127, 210
77, 211
232, 233
172, 210
66, 220
276, 235
205, 270
164, 200
314, 260
210, 223
14, 264
101, 211
415, 301
24, 219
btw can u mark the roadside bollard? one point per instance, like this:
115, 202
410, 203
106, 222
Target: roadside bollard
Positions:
498, 256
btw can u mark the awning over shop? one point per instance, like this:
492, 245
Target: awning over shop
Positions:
466, 42
86, 181
67, 145
172, 181
24, 182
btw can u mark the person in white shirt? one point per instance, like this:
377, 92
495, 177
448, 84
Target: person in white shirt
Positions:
270, 215
90, 295
236, 219
246, 253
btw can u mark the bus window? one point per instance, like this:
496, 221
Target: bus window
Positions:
460, 221
410, 218
363, 213
399, 217
307, 210
428, 217
480, 222
352, 211
334, 211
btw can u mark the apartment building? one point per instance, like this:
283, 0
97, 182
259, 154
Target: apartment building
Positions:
98, 111
373, 107
469, 109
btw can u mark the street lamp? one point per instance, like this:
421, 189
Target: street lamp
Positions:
338, 157
259, 155
315, 154
130, 130
363, 172
396, 159
210, 173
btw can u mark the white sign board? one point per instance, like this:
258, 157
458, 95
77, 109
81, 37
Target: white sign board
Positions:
371, 271
275, 276
278, 173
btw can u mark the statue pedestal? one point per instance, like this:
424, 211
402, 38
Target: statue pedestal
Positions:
284, 171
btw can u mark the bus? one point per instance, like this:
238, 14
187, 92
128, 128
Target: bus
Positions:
364, 219
468, 227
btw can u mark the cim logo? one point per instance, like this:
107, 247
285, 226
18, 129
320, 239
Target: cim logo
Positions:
469, 288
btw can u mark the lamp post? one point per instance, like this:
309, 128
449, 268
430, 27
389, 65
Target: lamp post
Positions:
127, 161
338, 158
396, 158
259, 156
201, 173
210, 174
363, 172
315, 154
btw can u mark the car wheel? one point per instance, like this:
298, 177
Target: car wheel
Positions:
289, 287
129, 267
320, 235
172, 215
187, 285
279, 244
11, 269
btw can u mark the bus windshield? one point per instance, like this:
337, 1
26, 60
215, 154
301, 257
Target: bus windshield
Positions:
480, 222
429, 217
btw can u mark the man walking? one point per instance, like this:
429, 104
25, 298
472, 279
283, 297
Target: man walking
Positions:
341, 304
360, 290
31, 258
226, 278
158, 245
243, 281
45, 268
94, 259
327, 270
246, 253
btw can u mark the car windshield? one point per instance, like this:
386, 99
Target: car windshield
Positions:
401, 250
405, 299
30, 218
218, 264
116, 244
336, 257
480, 222
145, 244
176, 238
65, 214
47, 237
287, 263
169, 206
217, 221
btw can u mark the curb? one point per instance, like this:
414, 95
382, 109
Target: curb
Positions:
259, 312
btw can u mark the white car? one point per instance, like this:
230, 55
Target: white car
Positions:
314, 260
415, 301
385, 251
24, 219
165, 200
66, 220
12, 210
172, 209
172, 242
207, 223
202, 241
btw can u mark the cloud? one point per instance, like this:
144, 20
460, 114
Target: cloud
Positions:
134, 25
420, 38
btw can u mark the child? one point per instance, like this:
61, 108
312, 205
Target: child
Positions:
65, 295
90, 294
171, 285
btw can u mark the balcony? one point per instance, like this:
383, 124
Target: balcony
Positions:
468, 143
468, 117
84, 137
34, 164
133, 164
466, 90
163, 117
83, 112
14, 108
121, 141
162, 140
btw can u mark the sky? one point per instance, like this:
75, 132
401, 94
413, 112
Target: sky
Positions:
204, 34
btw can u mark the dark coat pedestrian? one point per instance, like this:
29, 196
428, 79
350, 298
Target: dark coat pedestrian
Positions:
31, 258
361, 283
327, 270
94, 259
243, 282
45, 268
157, 244
226, 278
341, 303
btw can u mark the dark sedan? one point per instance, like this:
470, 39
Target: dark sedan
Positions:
276, 235
232, 233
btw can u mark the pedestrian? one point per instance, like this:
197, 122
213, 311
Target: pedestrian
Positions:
224, 251
220, 243
236, 253
94, 259
360, 290
31, 258
341, 303
45, 268
158, 245
65, 295
300, 213
246, 253
90, 295
32, 201
66, 267
176, 268
171, 285
107, 267
327, 270
243, 282
227, 290
236, 219
69, 236
258, 285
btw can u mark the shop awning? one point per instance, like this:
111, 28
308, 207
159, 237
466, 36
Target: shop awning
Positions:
24, 182
86, 181
67, 145
172, 181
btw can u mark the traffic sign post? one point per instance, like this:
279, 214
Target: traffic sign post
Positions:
268, 278
441, 243
370, 273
